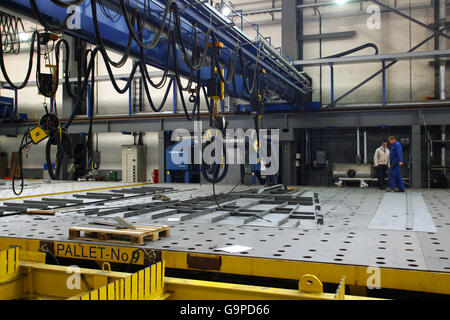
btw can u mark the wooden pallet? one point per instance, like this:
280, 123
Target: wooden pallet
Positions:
123, 236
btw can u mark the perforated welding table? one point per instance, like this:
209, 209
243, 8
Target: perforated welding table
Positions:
343, 246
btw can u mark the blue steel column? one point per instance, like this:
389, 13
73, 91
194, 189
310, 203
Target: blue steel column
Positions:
416, 156
175, 97
130, 99
89, 91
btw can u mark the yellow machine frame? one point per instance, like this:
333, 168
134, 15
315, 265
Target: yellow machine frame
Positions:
24, 275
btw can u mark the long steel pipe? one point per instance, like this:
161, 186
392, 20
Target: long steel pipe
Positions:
365, 147
358, 146
443, 150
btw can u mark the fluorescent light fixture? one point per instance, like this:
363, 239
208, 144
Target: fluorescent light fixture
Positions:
341, 1
23, 36
226, 11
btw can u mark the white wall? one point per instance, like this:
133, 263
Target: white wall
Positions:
405, 81
34, 159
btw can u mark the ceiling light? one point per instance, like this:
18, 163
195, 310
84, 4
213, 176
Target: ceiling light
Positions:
341, 1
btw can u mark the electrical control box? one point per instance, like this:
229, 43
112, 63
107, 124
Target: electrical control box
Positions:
134, 164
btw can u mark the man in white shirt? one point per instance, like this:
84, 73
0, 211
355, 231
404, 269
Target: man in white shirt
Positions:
381, 163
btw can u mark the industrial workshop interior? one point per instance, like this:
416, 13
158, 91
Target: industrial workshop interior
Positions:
226, 150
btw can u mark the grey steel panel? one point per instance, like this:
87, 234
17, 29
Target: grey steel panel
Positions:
402, 115
415, 55
329, 35
344, 238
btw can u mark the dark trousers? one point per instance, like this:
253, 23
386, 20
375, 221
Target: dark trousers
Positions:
395, 178
381, 174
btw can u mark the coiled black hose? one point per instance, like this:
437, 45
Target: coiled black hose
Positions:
125, 56
23, 144
359, 48
158, 33
48, 26
30, 64
211, 171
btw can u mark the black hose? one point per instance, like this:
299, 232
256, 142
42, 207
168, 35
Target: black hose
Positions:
244, 74
55, 29
190, 63
84, 85
64, 147
232, 63
30, 64
11, 33
359, 48
131, 28
179, 84
149, 98
91, 114
211, 172
83, 88
66, 4
66, 67
144, 70
23, 144
125, 56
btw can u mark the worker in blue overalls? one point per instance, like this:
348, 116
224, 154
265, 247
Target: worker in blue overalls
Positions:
396, 162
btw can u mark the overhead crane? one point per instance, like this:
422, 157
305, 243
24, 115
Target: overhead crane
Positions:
277, 73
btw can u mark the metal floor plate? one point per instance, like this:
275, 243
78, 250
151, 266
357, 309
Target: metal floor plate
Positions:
403, 211
344, 238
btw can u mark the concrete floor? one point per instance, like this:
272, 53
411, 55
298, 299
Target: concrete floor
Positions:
344, 238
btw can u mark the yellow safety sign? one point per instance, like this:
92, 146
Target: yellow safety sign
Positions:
37, 134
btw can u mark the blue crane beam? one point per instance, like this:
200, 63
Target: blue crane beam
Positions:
288, 83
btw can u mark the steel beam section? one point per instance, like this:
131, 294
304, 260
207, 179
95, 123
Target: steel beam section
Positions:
289, 29
115, 36
298, 7
352, 117
416, 155
374, 58
104, 78
329, 35
246, 205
